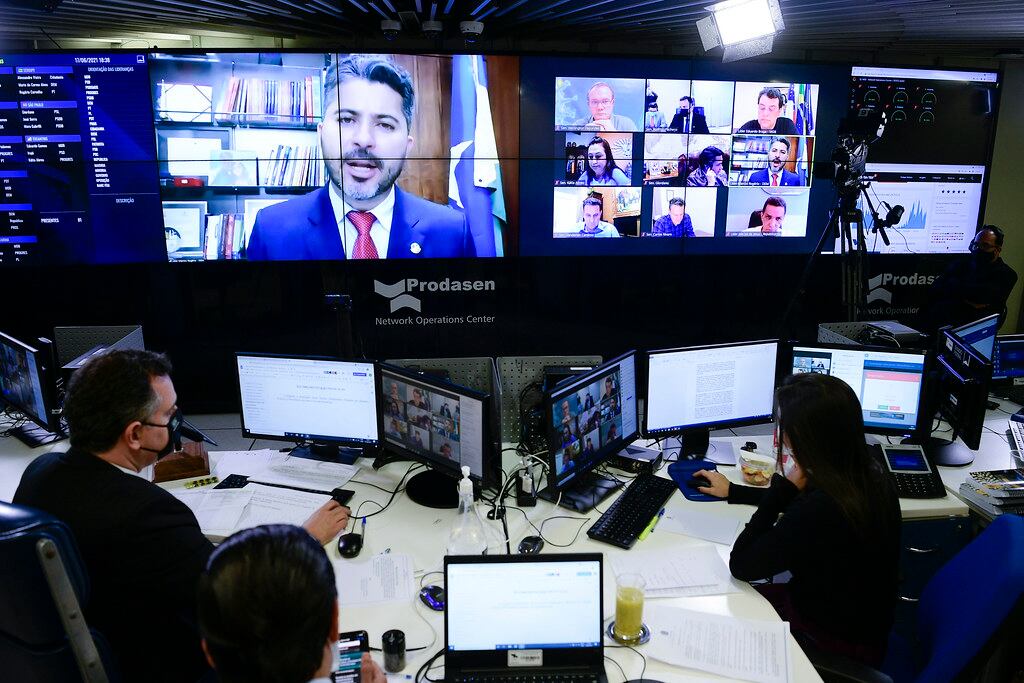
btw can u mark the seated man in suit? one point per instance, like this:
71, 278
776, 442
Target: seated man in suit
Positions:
687, 119
141, 546
775, 174
289, 633
365, 137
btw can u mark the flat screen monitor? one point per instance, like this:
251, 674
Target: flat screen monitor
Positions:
441, 424
590, 417
706, 387
21, 380
308, 399
888, 382
980, 334
1008, 357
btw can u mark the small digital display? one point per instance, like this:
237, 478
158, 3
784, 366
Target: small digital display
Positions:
906, 460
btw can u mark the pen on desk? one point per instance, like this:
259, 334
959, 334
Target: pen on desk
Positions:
649, 529
201, 482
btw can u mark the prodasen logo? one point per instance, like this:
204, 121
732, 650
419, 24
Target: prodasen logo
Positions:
400, 296
875, 291
877, 284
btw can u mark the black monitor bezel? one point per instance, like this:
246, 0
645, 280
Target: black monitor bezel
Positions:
602, 453
924, 420
678, 430
354, 443
972, 375
491, 462
47, 421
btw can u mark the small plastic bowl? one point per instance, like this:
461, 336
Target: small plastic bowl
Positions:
757, 468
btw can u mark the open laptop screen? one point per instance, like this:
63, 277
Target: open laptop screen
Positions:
523, 605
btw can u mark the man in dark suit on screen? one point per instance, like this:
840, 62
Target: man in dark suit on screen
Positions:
775, 174
687, 119
142, 547
361, 213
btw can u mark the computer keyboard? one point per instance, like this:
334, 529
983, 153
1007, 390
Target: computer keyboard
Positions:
540, 677
1016, 435
633, 510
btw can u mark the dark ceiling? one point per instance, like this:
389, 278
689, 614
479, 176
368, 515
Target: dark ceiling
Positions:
961, 27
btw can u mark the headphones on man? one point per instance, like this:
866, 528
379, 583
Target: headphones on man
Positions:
973, 246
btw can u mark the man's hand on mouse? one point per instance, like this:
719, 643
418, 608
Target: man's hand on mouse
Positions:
719, 484
328, 521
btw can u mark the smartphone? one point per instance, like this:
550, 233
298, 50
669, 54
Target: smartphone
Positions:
343, 496
351, 646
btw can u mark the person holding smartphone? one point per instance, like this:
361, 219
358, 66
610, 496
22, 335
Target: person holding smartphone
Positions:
268, 612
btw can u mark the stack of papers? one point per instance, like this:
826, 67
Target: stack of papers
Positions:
686, 572
747, 649
384, 578
274, 467
222, 512
706, 526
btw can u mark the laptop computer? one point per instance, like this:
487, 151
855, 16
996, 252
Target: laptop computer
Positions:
524, 617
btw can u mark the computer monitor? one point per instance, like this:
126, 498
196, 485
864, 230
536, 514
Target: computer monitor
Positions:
442, 425
959, 392
691, 391
889, 383
1008, 358
589, 417
25, 386
980, 334
325, 402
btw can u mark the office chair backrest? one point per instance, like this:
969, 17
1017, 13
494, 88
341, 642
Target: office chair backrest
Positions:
43, 634
965, 602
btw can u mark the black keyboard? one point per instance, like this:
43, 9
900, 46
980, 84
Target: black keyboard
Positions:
633, 510
539, 677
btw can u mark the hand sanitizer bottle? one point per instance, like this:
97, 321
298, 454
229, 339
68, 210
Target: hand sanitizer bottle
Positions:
467, 534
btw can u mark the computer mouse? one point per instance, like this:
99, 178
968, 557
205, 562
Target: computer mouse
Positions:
433, 597
531, 545
350, 544
698, 482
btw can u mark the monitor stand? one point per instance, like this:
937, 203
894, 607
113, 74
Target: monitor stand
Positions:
328, 453
942, 451
34, 436
694, 443
584, 494
433, 489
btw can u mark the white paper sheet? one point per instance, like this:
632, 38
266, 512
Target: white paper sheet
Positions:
218, 511
272, 505
383, 578
690, 566
703, 525
723, 585
729, 646
304, 473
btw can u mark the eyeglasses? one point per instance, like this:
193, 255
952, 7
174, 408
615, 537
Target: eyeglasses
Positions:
596, 156
601, 103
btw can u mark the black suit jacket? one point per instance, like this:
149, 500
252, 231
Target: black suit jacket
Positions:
144, 552
698, 123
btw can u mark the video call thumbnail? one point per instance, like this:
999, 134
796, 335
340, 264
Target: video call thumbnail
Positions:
765, 108
296, 124
682, 212
599, 105
19, 380
698, 107
690, 160
773, 160
425, 421
587, 421
598, 159
596, 212
767, 212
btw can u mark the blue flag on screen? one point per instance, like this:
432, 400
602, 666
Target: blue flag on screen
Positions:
474, 181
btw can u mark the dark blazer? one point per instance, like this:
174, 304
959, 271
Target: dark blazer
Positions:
698, 123
783, 126
143, 551
304, 228
761, 177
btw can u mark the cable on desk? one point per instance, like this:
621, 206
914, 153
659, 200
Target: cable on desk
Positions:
394, 493
251, 445
540, 529
421, 673
433, 631
643, 668
619, 667
1000, 435
426, 574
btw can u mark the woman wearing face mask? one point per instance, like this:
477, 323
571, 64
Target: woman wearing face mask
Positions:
601, 168
838, 533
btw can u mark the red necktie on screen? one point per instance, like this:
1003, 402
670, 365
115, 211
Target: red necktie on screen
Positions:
775, 181
364, 246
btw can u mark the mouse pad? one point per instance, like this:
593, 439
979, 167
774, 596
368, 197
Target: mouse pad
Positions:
682, 471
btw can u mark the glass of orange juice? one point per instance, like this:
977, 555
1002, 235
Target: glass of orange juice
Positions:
629, 608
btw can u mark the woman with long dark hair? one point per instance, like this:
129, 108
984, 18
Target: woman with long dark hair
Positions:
601, 168
839, 529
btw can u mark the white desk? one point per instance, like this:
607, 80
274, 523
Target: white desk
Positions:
421, 533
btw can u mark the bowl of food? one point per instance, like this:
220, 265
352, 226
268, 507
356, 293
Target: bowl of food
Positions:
757, 468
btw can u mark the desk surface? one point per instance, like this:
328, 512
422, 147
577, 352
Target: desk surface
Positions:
421, 533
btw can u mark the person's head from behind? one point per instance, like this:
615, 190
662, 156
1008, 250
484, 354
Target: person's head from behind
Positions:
685, 105
769, 105
591, 214
123, 403
366, 132
600, 160
772, 214
821, 442
601, 101
987, 245
778, 154
676, 210
268, 607
711, 158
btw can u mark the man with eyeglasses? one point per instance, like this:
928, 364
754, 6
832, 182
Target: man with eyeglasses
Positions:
974, 286
601, 102
142, 548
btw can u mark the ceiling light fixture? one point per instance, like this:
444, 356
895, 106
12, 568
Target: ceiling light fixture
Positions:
743, 28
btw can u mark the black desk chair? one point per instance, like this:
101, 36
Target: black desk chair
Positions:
43, 634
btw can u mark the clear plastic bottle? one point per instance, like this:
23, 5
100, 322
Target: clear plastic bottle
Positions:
467, 536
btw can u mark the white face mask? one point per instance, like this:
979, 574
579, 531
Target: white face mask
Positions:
788, 463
